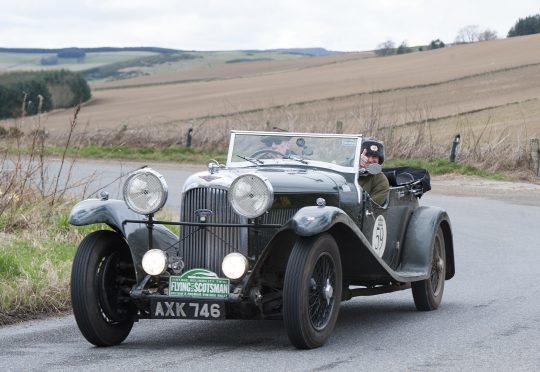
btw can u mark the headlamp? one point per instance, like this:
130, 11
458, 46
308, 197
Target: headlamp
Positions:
145, 191
250, 195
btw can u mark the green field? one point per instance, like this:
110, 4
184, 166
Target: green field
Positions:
10, 62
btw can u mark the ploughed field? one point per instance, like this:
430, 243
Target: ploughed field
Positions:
494, 84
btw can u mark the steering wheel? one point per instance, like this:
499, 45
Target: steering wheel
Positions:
261, 154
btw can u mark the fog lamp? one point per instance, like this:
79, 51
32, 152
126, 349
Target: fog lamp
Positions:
234, 265
154, 262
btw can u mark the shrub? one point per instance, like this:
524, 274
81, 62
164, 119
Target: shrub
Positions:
49, 61
436, 44
403, 48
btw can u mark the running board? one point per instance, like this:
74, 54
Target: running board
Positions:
349, 293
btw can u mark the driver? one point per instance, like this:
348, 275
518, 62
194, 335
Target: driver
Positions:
376, 185
280, 144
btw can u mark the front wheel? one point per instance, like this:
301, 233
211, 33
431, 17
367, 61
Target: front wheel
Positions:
101, 277
427, 294
312, 291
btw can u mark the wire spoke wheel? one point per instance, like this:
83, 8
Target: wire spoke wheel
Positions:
312, 291
321, 299
437, 266
427, 294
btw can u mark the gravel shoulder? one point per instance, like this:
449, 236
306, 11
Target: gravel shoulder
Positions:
525, 193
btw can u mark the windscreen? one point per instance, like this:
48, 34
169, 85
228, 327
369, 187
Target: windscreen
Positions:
306, 149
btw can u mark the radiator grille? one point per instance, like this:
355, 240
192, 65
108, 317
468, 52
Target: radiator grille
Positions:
206, 247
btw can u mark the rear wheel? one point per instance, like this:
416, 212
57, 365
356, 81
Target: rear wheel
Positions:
427, 294
312, 291
101, 277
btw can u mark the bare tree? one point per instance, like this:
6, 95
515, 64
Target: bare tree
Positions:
487, 34
385, 49
468, 34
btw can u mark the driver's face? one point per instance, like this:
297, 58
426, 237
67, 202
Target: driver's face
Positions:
281, 147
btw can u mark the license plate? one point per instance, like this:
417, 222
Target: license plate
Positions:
187, 309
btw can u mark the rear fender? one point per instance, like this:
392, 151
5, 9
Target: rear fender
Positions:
113, 213
417, 251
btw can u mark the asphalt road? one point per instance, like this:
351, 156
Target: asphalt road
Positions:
489, 319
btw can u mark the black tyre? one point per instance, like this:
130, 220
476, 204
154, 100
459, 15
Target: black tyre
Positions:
428, 293
312, 291
101, 277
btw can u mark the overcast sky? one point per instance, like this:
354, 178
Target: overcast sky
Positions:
344, 25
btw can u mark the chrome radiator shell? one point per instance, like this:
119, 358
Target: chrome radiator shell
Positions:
205, 247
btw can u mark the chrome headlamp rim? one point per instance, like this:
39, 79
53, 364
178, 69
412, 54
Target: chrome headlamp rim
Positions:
265, 207
164, 191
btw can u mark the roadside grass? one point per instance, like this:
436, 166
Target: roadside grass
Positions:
36, 255
35, 261
443, 166
177, 154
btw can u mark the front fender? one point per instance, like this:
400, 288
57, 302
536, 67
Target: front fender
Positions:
310, 221
114, 212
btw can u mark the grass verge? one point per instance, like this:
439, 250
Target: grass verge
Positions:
36, 255
443, 166
37, 249
177, 154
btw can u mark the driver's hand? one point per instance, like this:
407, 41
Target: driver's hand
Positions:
363, 159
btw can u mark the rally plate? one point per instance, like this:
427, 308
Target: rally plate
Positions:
187, 309
198, 283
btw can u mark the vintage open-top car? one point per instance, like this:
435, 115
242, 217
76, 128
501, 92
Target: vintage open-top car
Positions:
275, 233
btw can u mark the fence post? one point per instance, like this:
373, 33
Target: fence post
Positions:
339, 127
455, 145
535, 149
189, 137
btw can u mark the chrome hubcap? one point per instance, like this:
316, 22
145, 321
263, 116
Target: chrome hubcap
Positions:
328, 291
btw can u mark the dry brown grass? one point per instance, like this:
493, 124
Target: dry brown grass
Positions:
36, 243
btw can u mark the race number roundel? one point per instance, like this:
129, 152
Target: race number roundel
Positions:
378, 241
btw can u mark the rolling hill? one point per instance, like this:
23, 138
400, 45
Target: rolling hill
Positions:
470, 87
